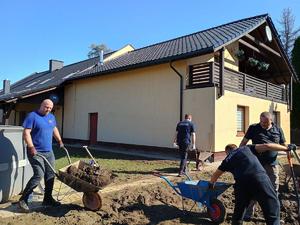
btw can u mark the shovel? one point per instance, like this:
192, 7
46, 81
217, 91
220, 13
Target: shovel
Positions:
289, 158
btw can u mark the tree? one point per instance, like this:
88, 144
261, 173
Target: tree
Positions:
95, 50
295, 115
288, 34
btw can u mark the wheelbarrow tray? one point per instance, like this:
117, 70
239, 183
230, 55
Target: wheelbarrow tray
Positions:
74, 182
199, 190
287, 169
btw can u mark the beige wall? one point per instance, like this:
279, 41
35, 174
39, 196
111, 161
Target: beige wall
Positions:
225, 131
137, 107
201, 104
134, 107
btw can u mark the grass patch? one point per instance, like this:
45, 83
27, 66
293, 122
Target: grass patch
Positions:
124, 166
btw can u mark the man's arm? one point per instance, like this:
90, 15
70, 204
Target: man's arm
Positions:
270, 147
27, 137
175, 137
216, 176
194, 140
244, 142
57, 137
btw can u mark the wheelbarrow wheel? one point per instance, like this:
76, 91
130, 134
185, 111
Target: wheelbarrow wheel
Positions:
92, 200
218, 211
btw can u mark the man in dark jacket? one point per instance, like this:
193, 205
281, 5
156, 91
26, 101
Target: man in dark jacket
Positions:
251, 180
184, 137
260, 133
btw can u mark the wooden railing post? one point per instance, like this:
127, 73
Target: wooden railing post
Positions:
190, 75
212, 72
244, 82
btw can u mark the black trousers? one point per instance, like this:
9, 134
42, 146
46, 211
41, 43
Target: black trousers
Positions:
258, 187
183, 149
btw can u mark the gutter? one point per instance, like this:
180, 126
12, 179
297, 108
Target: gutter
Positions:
180, 91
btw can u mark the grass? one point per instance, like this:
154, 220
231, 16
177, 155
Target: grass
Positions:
124, 166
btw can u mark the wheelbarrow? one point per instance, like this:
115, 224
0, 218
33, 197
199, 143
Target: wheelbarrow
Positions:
91, 198
201, 194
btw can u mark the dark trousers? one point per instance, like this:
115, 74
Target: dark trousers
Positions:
183, 150
40, 170
260, 188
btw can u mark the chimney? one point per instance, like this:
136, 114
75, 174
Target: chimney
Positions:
6, 86
55, 65
101, 57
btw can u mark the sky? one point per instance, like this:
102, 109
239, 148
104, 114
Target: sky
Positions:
35, 31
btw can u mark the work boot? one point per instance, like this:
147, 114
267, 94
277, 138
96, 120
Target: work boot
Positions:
50, 201
23, 206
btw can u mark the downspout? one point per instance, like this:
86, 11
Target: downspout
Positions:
181, 88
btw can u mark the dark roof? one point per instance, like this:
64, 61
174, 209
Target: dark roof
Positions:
199, 43
45, 80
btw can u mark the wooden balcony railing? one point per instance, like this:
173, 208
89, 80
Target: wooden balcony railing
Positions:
207, 74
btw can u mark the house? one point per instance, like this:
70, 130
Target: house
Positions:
224, 76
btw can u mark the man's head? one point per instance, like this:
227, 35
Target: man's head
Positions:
229, 148
188, 117
46, 107
266, 119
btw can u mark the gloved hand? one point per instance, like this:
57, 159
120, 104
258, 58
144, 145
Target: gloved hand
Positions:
61, 144
194, 147
211, 186
292, 147
175, 145
31, 151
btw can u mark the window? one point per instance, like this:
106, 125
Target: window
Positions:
276, 118
241, 120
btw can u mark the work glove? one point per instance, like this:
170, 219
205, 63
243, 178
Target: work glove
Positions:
31, 151
61, 144
211, 186
194, 147
292, 147
175, 145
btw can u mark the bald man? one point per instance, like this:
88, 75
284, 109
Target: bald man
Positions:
39, 129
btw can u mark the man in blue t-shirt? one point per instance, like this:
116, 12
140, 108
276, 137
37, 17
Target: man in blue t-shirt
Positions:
185, 136
39, 129
260, 133
251, 180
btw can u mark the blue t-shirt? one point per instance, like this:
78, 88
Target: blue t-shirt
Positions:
259, 135
184, 130
41, 130
242, 163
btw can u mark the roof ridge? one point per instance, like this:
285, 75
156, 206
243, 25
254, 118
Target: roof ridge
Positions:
187, 35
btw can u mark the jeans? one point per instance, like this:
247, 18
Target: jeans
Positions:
40, 170
183, 149
273, 173
261, 189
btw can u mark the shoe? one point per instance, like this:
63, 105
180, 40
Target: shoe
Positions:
23, 206
50, 202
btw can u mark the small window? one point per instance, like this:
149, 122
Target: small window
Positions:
240, 120
276, 118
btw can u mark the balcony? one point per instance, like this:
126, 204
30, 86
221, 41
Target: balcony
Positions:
208, 75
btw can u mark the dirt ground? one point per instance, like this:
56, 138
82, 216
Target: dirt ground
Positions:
151, 204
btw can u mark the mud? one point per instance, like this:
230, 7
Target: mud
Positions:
92, 174
152, 204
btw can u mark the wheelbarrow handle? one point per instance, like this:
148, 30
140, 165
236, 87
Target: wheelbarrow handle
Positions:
67, 152
174, 187
87, 150
49, 164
